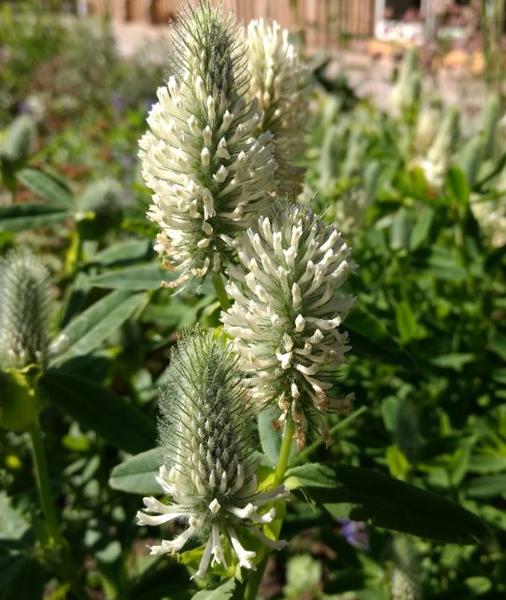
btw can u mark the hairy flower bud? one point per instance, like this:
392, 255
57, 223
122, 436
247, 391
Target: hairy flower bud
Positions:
24, 311
279, 81
209, 173
286, 316
209, 465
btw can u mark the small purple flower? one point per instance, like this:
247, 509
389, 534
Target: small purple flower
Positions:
355, 533
117, 102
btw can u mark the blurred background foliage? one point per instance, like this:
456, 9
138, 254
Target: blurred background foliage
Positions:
419, 193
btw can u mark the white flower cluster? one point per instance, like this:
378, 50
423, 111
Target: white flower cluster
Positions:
24, 310
205, 432
491, 216
209, 173
286, 316
280, 83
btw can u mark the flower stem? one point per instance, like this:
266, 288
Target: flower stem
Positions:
42, 479
251, 591
308, 450
221, 294
284, 451
57, 548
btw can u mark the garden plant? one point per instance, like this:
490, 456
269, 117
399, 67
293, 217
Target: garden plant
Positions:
264, 359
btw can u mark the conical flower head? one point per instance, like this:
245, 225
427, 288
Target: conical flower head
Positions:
279, 81
208, 172
24, 311
286, 317
209, 465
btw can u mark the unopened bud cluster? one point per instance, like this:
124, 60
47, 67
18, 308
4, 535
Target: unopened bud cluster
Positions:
24, 311
209, 468
287, 314
209, 171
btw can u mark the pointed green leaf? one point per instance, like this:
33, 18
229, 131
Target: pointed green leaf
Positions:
143, 277
47, 187
28, 216
136, 475
393, 504
86, 332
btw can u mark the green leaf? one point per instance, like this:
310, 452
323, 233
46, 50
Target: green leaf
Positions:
457, 186
270, 439
393, 504
28, 216
309, 475
397, 462
145, 277
110, 416
224, 592
13, 525
444, 265
47, 187
406, 322
136, 475
123, 252
488, 486
421, 229
455, 361
87, 331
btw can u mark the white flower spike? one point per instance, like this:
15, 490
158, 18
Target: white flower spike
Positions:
286, 317
210, 175
209, 468
279, 81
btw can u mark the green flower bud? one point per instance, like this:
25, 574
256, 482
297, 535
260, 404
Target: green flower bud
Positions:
209, 466
24, 311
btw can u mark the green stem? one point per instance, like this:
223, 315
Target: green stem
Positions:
308, 450
284, 452
221, 294
253, 583
64, 566
42, 479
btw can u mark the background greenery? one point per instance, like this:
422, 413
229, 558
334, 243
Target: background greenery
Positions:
428, 331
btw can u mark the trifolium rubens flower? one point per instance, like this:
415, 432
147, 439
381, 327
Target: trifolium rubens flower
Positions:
209, 465
279, 81
287, 313
24, 311
209, 172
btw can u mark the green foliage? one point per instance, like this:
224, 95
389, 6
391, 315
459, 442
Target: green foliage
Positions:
423, 454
